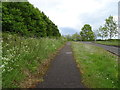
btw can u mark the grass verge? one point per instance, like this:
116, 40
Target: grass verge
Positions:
113, 43
22, 56
98, 67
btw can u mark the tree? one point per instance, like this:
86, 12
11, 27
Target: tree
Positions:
102, 32
76, 37
68, 37
87, 34
111, 26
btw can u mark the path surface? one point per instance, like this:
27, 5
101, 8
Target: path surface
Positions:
63, 72
112, 49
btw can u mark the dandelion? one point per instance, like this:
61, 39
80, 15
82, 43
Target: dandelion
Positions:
4, 58
7, 44
3, 70
53, 45
5, 63
17, 65
1, 41
9, 70
2, 66
7, 50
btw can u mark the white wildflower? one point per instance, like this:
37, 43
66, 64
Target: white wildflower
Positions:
2, 66
3, 70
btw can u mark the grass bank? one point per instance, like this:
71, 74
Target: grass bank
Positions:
98, 67
114, 43
21, 57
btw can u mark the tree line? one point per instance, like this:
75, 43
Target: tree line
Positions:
109, 30
86, 34
26, 20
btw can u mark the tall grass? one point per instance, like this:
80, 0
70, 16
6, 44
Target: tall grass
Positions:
98, 67
20, 54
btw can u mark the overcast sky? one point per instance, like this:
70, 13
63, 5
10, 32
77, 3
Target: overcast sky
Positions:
71, 15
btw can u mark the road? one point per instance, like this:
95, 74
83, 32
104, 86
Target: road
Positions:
112, 49
63, 72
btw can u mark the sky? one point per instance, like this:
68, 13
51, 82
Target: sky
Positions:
71, 15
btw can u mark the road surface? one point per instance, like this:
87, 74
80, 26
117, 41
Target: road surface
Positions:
112, 49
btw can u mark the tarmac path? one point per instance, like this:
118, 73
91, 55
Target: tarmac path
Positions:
62, 72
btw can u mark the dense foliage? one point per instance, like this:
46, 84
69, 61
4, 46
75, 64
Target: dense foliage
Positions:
26, 20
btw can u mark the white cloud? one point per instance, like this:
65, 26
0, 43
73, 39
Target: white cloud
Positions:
70, 13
